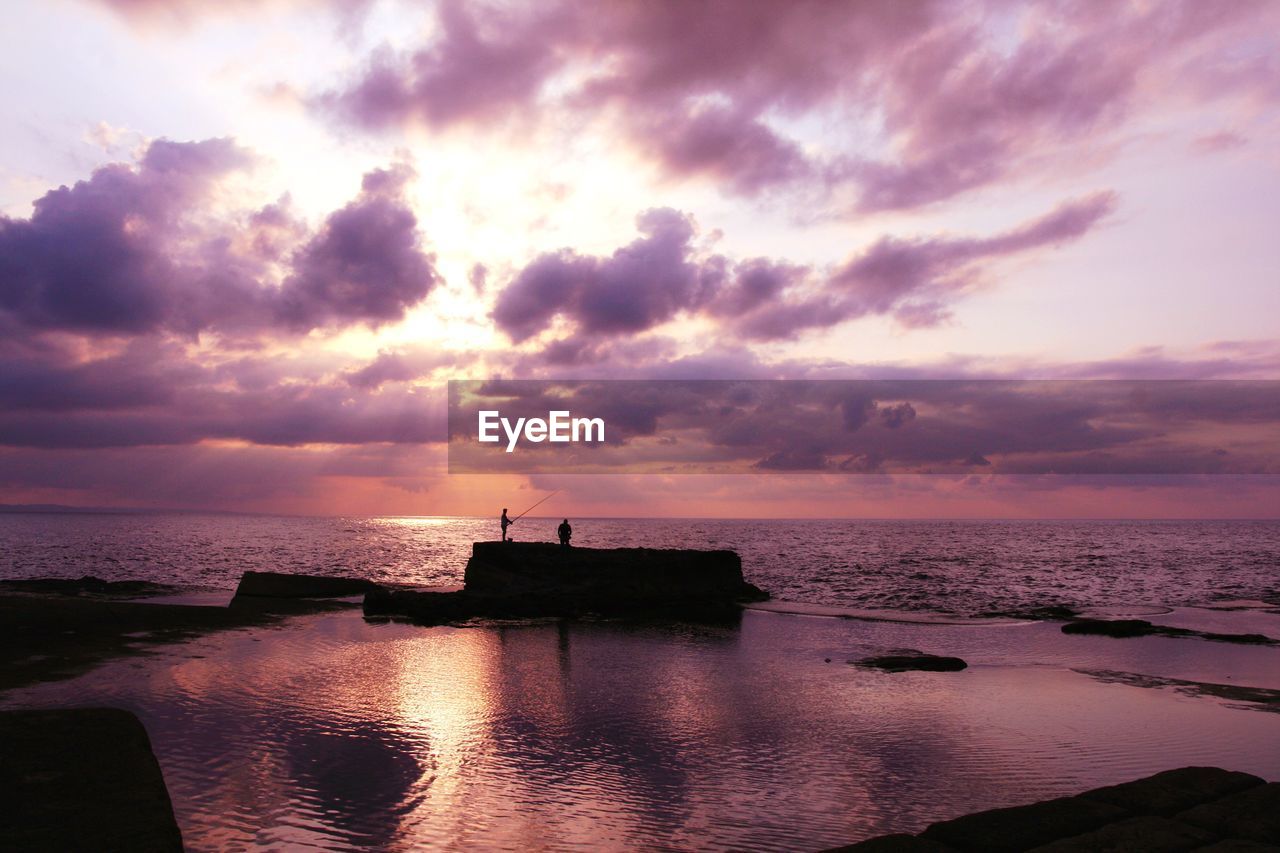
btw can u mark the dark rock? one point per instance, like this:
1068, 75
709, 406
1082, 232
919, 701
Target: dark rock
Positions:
898, 843
909, 659
508, 568
532, 579
1212, 810
1143, 628
87, 585
1024, 827
1246, 639
82, 779
1239, 845
1252, 814
1173, 791
1110, 627
281, 585
1148, 834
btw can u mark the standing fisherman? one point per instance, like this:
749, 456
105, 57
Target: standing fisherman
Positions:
565, 532
506, 522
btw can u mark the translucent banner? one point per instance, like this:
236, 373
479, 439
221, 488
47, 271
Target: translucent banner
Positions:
865, 426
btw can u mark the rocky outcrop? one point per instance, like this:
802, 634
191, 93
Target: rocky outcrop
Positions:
87, 586
1189, 808
506, 580
1110, 627
1142, 628
281, 585
910, 659
82, 779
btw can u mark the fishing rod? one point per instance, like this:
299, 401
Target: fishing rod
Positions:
535, 506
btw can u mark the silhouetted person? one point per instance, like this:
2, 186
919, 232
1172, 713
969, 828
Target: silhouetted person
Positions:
506, 522
565, 532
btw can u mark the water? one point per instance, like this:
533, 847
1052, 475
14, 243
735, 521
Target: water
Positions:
964, 567
327, 732
330, 733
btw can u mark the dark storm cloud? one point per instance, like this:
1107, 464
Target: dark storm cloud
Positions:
135, 250
953, 102
662, 275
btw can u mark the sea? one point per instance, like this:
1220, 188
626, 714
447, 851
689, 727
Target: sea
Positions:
962, 567
329, 732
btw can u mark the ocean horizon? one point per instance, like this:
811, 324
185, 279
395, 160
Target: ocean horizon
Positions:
968, 567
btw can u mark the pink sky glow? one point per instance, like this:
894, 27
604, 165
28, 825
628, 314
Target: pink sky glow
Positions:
243, 246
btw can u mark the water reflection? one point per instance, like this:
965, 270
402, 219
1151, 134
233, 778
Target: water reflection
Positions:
332, 733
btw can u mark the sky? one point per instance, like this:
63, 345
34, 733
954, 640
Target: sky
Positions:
244, 245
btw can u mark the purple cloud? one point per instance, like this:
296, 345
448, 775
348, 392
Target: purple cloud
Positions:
92, 256
939, 103
639, 286
733, 148
133, 250
662, 276
484, 62
365, 264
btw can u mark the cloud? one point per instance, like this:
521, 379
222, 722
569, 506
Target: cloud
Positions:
662, 276
184, 13
365, 264
405, 365
147, 248
639, 286
484, 62
917, 104
92, 257
129, 403
892, 270
1215, 143
737, 150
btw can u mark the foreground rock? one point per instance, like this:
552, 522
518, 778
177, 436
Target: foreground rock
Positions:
82, 779
910, 659
1186, 809
510, 580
